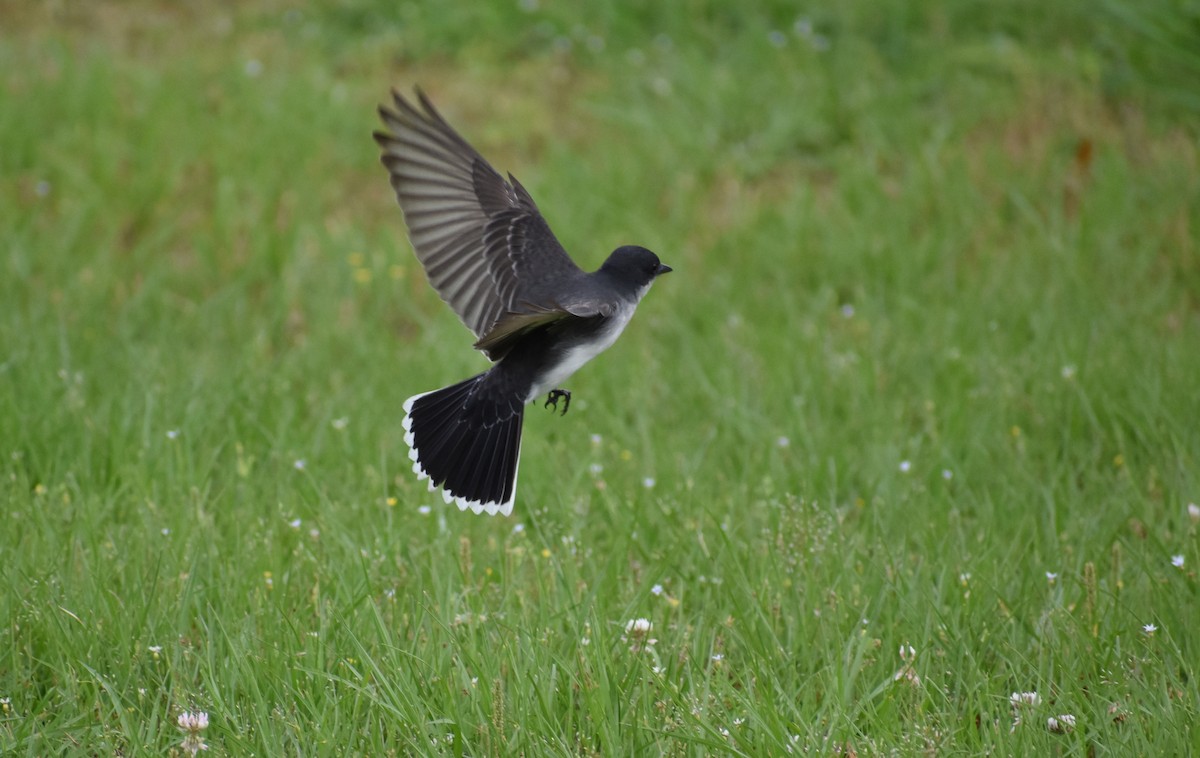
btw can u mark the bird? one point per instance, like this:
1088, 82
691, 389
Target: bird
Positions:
491, 256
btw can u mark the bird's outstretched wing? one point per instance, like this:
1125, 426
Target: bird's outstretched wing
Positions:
481, 239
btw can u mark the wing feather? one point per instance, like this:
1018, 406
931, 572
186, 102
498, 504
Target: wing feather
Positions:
484, 245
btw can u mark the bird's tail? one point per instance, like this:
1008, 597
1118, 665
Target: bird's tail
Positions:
468, 443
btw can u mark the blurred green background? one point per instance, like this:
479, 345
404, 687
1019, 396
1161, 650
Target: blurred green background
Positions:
924, 376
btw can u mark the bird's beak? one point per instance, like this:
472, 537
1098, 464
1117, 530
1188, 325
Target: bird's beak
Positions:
662, 269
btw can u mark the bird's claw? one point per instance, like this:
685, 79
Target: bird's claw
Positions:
553, 397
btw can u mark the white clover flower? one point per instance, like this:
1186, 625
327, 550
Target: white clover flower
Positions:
193, 724
908, 654
1018, 699
637, 634
1061, 725
638, 627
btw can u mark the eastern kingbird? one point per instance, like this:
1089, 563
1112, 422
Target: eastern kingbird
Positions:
536, 315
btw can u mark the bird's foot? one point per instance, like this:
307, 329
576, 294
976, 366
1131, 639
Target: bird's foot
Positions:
552, 400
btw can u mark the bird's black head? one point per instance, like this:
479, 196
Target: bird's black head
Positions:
634, 265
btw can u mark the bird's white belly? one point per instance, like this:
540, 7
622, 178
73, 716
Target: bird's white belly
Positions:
575, 357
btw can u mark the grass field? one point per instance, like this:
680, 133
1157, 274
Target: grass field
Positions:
914, 425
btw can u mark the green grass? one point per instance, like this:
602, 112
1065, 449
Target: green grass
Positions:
933, 332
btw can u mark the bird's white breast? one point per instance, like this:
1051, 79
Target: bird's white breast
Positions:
574, 358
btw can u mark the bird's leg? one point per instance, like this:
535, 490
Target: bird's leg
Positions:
552, 400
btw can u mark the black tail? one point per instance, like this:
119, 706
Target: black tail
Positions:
467, 440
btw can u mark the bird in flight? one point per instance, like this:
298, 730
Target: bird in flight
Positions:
537, 316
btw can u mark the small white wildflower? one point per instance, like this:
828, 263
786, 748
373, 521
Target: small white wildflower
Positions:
648, 482
637, 633
782, 442
724, 732
908, 654
424, 510
718, 657
847, 310
1193, 512
656, 669
193, 724
314, 533
739, 721
1051, 576
947, 474
1068, 372
964, 577
299, 464
165, 531
585, 641
656, 589
1177, 561
596, 469
597, 439
294, 523
155, 650
518, 528
340, 423
905, 466
1018, 699
638, 626
1149, 628
172, 434
1061, 725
